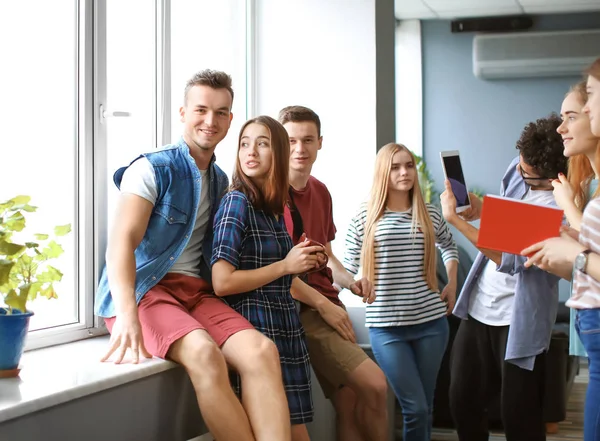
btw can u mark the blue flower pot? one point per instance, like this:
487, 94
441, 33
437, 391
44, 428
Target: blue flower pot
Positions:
13, 331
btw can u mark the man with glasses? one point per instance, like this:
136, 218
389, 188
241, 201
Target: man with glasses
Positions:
508, 311
534, 182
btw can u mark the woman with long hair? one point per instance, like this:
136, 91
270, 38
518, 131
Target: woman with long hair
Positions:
394, 238
573, 193
253, 259
576, 255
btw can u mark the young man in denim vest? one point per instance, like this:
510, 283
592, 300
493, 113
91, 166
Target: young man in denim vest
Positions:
155, 292
356, 386
508, 310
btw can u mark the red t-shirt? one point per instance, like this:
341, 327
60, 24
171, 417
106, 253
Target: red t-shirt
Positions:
316, 209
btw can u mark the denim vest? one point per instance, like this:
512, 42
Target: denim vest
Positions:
536, 293
179, 183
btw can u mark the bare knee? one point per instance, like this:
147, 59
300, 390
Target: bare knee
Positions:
260, 356
373, 388
203, 359
380, 385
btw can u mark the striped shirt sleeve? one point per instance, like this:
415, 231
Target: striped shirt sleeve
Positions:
443, 236
354, 241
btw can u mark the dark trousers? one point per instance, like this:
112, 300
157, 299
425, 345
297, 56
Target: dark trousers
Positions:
478, 373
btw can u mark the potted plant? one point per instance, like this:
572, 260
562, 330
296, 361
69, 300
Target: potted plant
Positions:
25, 274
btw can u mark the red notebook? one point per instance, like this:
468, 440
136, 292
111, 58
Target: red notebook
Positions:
511, 225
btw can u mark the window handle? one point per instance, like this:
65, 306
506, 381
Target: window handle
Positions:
112, 114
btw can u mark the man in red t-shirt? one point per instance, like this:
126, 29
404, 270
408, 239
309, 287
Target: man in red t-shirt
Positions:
354, 383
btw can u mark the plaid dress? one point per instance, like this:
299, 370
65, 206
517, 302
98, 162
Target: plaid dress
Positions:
250, 239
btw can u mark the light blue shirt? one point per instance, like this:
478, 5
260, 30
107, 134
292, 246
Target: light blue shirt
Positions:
536, 292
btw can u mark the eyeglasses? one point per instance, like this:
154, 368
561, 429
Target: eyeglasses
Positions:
530, 178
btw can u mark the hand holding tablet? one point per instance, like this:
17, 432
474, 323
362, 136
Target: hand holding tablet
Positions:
454, 173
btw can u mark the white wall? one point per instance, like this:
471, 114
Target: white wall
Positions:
209, 34
321, 54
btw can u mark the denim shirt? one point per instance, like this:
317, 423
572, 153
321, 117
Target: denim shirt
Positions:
179, 183
536, 292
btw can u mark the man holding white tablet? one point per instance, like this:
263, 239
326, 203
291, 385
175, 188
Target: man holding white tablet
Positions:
508, 311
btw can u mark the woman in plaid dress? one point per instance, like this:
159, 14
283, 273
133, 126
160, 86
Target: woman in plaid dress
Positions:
254, 260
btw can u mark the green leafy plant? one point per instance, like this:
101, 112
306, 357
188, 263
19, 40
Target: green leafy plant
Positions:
478, 192
25, 272
425, 180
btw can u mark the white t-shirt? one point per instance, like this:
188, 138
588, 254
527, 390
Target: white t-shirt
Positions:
492, 299
139, 179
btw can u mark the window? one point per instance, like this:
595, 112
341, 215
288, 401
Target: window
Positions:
65, 90
127, 94
84, 92
40, 147
206, 34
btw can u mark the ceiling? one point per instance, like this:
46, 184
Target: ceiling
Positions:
432, 9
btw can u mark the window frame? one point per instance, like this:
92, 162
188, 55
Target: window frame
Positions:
85, 223
91, 223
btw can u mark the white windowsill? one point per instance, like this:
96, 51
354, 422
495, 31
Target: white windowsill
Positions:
59, 374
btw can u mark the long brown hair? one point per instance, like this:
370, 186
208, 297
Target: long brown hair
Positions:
272, 196
580, 169
377, 205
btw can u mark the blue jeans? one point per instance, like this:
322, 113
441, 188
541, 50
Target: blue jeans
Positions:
588, 328
410, 356
575, 345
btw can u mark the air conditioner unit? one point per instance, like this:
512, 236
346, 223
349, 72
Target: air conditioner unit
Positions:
534, 54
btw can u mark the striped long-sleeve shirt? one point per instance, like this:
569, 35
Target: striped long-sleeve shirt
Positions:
402, 295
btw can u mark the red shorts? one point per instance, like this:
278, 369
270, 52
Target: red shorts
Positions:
180, 304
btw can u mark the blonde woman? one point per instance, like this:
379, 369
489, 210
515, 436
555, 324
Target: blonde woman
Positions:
394, 238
